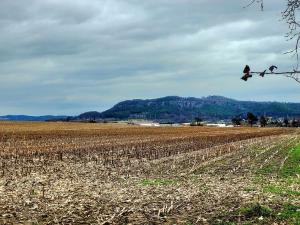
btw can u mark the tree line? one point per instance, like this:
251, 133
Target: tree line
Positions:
264, 121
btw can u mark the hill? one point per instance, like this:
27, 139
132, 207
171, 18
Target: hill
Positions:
180, 109
31, 118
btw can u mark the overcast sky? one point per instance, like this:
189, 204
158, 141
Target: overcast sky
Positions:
71, 56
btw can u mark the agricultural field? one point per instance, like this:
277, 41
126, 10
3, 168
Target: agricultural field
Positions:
76, 173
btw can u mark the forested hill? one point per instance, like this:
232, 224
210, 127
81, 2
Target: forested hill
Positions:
179, 109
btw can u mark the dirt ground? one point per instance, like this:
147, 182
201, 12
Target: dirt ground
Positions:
54, 173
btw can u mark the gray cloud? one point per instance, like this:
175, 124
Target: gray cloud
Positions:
67, 57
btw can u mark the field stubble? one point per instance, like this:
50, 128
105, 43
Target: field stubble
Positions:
56, 173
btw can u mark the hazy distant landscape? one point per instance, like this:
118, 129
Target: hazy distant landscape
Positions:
178, 110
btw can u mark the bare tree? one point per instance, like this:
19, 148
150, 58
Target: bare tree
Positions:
288, 15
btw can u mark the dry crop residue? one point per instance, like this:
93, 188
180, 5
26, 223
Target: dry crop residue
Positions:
72, 173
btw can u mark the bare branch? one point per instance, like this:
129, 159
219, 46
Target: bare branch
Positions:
293, 74
289, 15
256, 1
250, 3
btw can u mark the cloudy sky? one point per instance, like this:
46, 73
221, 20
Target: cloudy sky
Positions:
72, 56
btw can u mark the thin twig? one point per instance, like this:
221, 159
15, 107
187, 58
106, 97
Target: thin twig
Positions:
293, 74
278, 73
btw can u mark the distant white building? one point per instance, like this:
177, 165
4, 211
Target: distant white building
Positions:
149, 124
218, 125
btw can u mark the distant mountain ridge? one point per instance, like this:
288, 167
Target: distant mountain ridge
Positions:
31, 118
183, 109
177, 109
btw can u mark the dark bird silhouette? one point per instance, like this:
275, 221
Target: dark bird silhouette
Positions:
246, 72
246, 76
262, 74
272, 68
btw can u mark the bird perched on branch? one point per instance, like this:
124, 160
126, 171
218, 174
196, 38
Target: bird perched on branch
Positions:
262, 74
246, 72
246, 76
272, 68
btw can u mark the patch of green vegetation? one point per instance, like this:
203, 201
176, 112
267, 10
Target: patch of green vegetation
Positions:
290, 213
284, 182
288, 177
255, 210
280, 190
157, 182
258, 214
258, 179
254, 213
268, 169
289, 173
292, 180
292, 164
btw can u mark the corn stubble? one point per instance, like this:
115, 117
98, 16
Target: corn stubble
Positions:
72, 173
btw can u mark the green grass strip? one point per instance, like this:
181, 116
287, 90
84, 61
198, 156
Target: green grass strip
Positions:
290, 213
282, 190
291, 166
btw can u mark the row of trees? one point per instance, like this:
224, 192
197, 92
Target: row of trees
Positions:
252, 119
